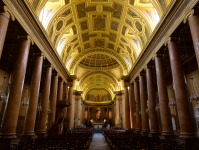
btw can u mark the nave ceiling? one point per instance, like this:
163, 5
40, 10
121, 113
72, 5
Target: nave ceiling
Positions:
99, 40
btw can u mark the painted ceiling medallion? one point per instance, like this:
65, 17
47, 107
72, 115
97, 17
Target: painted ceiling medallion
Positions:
59, 25
138, 26
99, 22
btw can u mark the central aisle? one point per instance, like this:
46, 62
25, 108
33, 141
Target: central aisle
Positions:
98, 142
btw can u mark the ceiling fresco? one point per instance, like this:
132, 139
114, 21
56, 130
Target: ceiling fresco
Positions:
99, 36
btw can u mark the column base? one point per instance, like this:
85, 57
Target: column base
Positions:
188, 141
27, 137
145, 132
41, 134
139, 131
168, 137
8, 142
48, 131
154, 134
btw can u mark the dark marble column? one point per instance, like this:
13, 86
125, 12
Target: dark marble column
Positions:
184, 113
127, 110
137, 100
152, 102
29, 123
13, 106
65, 93
107, 115
113, 115
132, 107
143, 100
88, 116
165, 114
59, 98
41, 128
53, 101
4, 21
83, 114
193, 20
70, 98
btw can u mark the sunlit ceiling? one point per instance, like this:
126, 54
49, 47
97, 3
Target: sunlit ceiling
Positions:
103, 37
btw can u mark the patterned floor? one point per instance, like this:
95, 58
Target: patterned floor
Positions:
98, 142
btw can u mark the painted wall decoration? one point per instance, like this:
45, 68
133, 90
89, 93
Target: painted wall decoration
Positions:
98, 95
129, 22
163, 4
131, 13
99, 22
114, 25
74, 29
138, 26
131, 2
84, 25
59, 25
68, 49
66, 13
35, 3
124, 30
116, 10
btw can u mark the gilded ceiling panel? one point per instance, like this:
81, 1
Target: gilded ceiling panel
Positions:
96, 34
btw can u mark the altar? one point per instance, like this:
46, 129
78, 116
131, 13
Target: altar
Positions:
98, 125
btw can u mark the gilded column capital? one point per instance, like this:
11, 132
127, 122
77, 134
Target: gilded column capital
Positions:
171, 39
55, 74
167, 40
147, 66
49, 65
8, 11
29, 38
157, 55
191, 12
26, 37
38, 54
141, 74
135, 80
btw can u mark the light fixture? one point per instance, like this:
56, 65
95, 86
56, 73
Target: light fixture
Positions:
24, 102
147, 110
172, 102
39, 108
157, 107
195, 95
49, 110
3, 97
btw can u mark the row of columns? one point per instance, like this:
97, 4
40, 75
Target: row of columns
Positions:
138, 96
11, 114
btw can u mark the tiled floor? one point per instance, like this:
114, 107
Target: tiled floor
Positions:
98, 142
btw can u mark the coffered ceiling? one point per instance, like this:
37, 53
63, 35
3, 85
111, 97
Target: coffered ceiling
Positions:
103, 37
